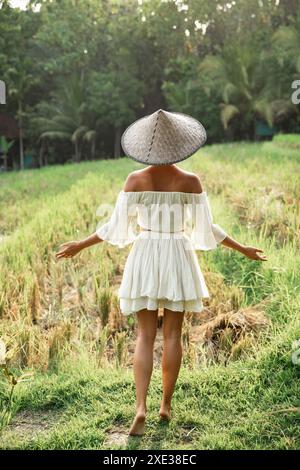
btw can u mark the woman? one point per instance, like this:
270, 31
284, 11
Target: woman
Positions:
162, 269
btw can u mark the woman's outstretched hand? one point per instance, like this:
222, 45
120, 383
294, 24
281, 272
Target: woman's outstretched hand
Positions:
250, 251
253, 253
68, 250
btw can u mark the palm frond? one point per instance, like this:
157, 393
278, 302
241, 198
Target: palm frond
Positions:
56, 135
228, 112
229, 91
89, 136
265, 111
79, 133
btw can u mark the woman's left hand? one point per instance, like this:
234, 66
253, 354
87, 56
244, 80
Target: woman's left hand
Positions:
68, 250
253, 253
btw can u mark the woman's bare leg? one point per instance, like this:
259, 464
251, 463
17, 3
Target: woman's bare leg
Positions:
143, 365
171, 359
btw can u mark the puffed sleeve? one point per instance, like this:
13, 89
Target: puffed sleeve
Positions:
120, 229
205, 235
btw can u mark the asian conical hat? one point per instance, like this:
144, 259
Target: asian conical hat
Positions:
163, 138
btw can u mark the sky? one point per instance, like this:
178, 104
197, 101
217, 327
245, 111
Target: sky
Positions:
19, 3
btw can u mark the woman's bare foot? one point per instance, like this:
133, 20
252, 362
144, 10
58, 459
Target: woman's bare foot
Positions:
165, 412
138, 425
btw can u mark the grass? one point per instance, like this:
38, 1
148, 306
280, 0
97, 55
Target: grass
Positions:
62, 321
239, 407
289, 140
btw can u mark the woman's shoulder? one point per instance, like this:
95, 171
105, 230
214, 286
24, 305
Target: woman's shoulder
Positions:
135, 181
189, 182
192, 183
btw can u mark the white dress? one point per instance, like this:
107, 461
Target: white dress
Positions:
164, 228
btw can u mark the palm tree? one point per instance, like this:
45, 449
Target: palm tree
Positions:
63, 118
90, 138
239, 77
286, 49
21, 81
286, 43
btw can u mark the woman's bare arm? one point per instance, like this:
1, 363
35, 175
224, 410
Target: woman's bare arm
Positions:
249, 251
70, 249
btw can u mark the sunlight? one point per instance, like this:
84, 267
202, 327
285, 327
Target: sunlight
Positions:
22, 4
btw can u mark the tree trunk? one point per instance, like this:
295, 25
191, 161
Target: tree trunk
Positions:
154, 99
40, 157
21, 143
5, 161
117, 146
93, 148
79, 151
76, 151
41, 154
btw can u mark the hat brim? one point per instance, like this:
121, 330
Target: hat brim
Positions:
202, 142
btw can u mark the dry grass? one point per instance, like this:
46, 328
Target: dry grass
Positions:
275, 212
230, 335
59, 318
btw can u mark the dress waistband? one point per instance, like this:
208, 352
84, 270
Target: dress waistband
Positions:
157, 231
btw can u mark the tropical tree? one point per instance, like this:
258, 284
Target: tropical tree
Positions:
286, 44
183, 92
240, 77
64, 118
228, 59
17, 65
21, 80
113, 97
5, 145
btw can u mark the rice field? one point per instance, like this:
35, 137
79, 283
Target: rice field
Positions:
60, 320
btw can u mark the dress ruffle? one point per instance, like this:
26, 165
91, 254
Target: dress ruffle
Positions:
129, 306
162, 273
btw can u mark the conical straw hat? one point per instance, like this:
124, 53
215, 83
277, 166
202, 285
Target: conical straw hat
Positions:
163, 138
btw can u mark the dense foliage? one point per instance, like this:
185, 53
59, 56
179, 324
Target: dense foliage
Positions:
79, 71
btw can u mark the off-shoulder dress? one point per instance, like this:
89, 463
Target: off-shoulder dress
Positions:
165, 229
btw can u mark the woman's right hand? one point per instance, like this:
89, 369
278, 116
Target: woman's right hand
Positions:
253, 253
68, 250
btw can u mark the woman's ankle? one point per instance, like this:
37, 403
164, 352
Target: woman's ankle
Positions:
166, 403
141, 410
